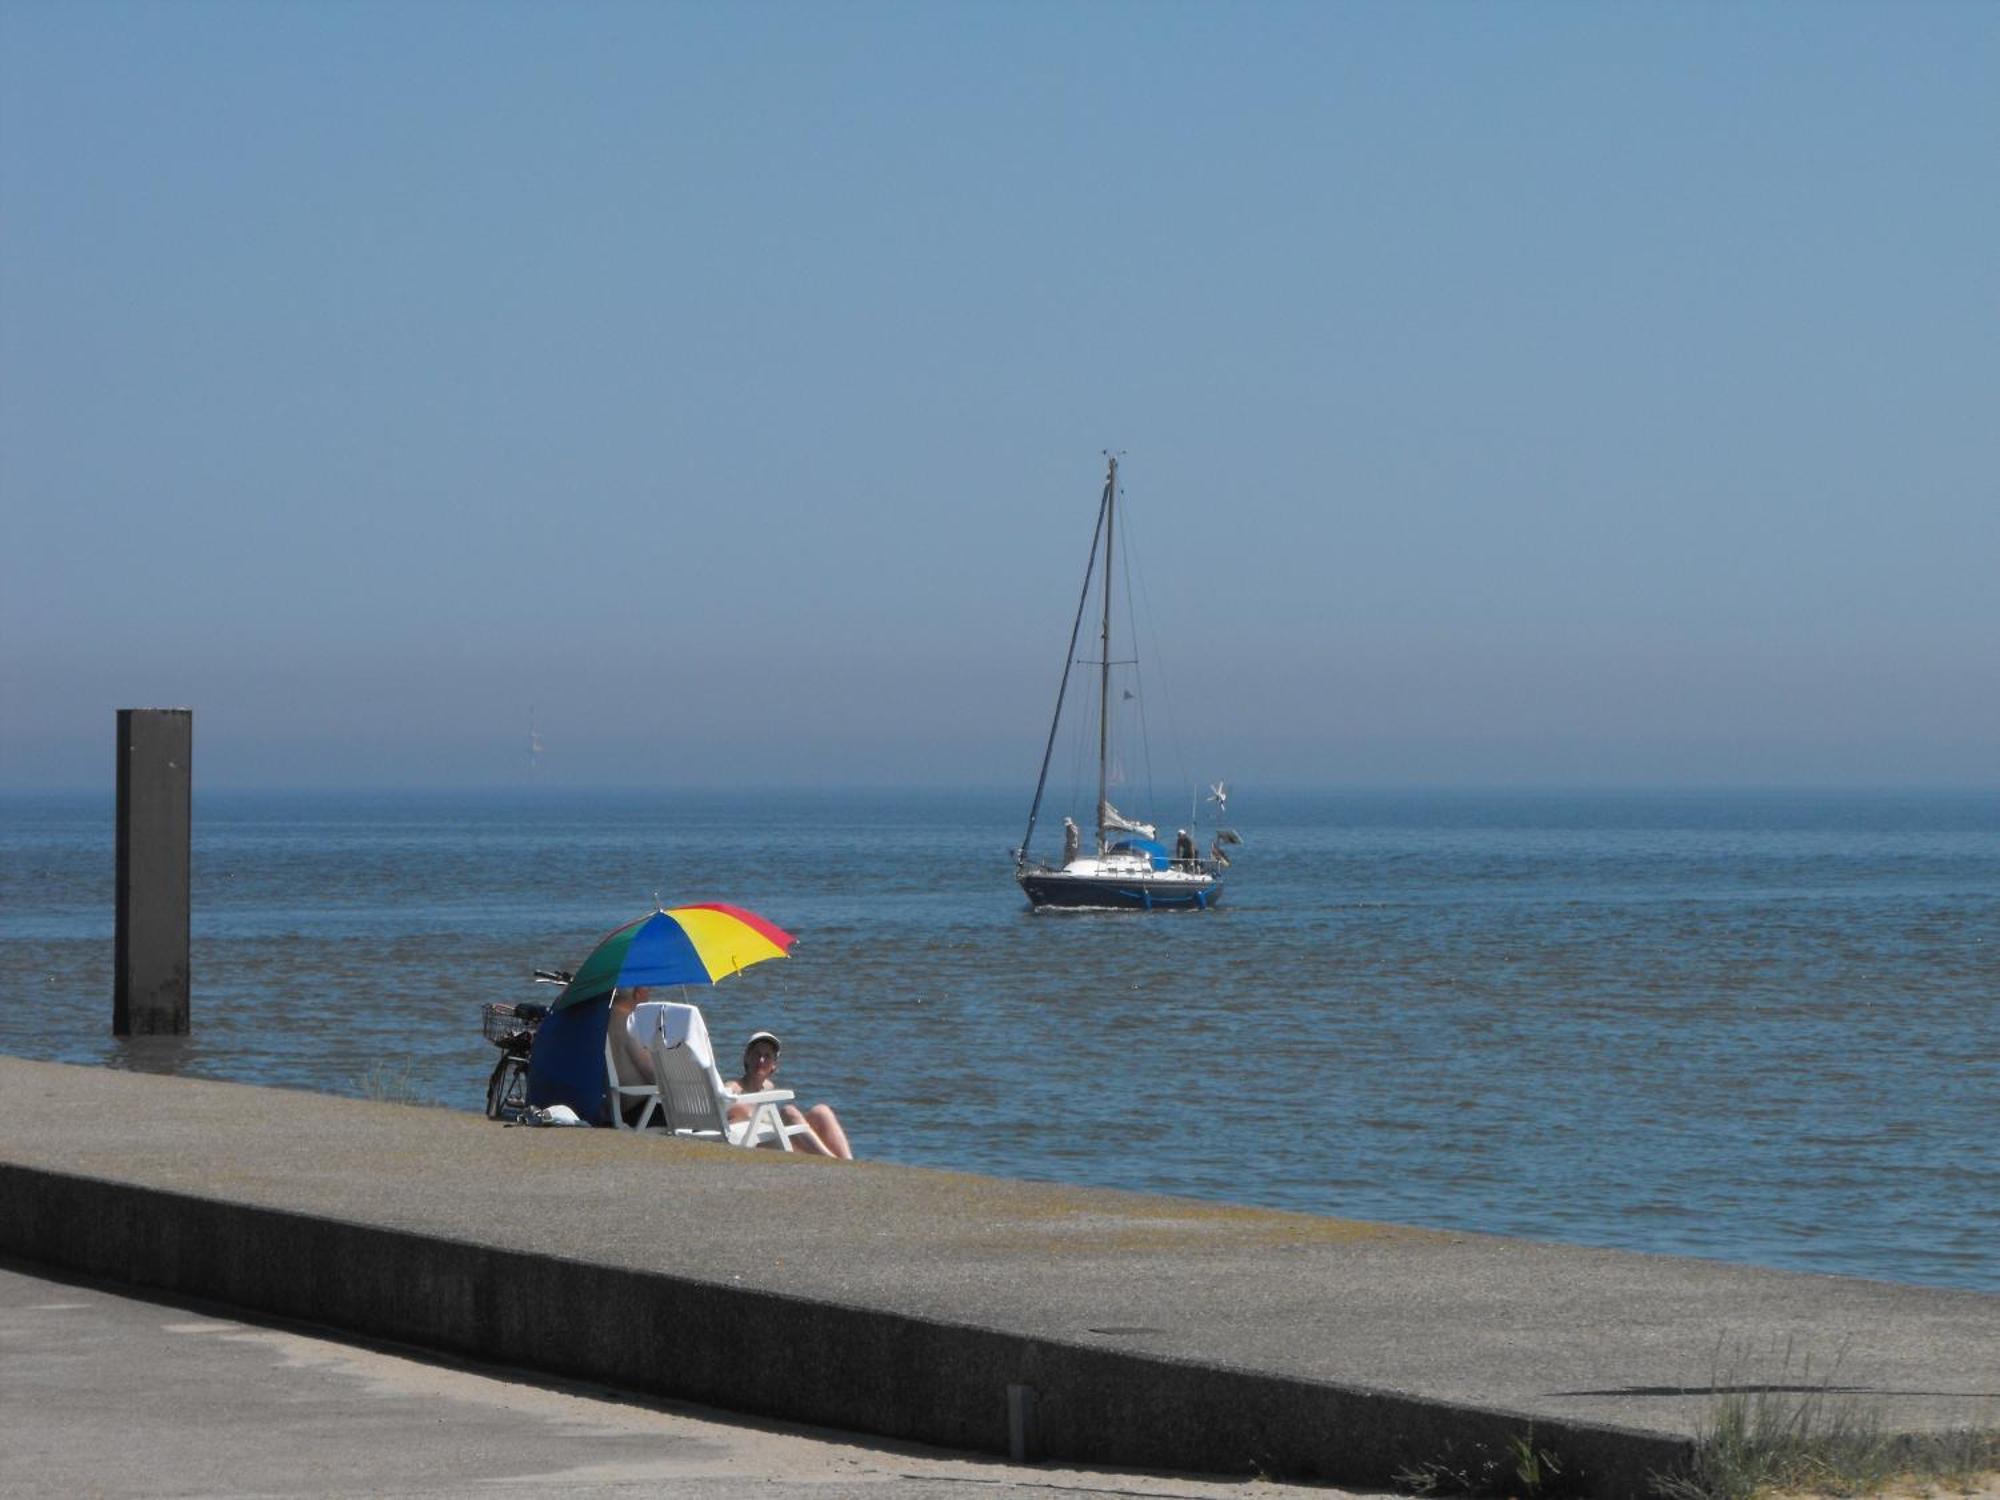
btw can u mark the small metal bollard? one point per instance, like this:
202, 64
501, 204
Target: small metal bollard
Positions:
1023, 1443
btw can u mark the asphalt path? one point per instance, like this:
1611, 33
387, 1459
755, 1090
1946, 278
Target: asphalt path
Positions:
105, 1394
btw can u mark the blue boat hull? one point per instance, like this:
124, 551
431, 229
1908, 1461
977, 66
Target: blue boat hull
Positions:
1052, 888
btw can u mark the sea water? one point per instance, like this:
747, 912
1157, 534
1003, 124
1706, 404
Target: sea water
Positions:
1760, 1028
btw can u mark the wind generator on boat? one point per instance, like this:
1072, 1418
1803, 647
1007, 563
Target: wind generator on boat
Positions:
1129, 868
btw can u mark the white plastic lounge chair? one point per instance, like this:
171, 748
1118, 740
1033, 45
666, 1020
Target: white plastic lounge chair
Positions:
687, 1091
628, 1070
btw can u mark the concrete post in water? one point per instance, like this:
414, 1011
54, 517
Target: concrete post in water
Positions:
150, 959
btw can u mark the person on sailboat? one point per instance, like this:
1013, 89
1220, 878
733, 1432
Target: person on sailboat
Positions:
1184, 855
822, 1136
1072, 842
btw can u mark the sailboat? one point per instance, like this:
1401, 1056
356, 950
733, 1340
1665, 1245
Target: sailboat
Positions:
1128, 868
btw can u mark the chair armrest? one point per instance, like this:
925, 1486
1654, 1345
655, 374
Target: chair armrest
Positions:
767, 1096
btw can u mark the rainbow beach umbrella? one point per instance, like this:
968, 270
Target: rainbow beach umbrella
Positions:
699, 944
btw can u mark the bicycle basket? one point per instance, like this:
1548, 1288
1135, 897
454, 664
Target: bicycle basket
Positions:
504, 1022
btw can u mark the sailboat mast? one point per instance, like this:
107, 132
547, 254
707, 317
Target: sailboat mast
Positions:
1062, 689
1104, 667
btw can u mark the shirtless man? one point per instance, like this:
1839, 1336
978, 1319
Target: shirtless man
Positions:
822, 1135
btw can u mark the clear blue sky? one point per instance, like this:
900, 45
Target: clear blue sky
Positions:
1509, 394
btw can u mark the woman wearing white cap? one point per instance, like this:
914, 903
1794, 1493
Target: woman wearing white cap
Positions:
822, 1135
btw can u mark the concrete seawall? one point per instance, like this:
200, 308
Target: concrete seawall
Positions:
1151, 1332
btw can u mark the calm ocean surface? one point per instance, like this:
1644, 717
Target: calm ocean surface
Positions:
1755, 1028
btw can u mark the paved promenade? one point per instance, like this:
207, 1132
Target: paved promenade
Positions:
117, 1396
1085, 1327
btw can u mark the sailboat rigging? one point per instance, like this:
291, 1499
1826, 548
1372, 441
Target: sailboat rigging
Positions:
1129, 868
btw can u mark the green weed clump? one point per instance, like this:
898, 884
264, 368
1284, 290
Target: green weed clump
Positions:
1521, 1471
1804, 1435
390, 1086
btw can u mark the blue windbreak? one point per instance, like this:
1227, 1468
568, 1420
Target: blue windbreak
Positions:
567, 1065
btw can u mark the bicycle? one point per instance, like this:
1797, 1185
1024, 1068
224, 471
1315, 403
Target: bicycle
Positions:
512, 1028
